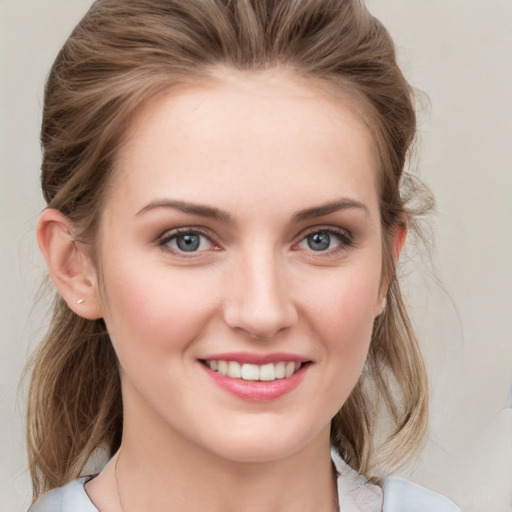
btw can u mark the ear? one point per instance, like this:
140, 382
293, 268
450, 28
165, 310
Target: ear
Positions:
397, 241
396, 244
69, 265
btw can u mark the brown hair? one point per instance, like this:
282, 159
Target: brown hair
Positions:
122, 54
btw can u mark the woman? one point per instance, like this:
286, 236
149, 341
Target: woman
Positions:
224, 220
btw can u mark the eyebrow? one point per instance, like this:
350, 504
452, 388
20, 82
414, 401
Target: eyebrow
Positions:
215, 213
328, 208
192, 208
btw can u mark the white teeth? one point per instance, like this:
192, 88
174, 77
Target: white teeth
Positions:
250, 372
290, 369
280, 370
254, 372
222, 367
234, 369
267, 372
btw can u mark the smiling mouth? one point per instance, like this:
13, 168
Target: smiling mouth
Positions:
254, 372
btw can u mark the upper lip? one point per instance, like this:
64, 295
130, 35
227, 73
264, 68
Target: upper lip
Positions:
259, 359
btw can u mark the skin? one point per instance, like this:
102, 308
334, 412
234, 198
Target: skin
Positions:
263, 149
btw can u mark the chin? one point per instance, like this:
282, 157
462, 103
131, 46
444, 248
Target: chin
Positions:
269, 445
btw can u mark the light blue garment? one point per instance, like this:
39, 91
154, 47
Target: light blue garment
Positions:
355, 495
403, 496
70, 498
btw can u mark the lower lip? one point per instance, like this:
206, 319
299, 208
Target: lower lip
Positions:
257, 391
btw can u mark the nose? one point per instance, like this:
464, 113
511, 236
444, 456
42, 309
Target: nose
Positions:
258, 300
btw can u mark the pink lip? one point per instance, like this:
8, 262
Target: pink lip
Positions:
256, 391
259, 359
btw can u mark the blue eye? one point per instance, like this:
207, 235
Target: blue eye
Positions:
323, 240
186, 241
319, 241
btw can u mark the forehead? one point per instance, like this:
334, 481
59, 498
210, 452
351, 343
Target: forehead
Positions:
245, 133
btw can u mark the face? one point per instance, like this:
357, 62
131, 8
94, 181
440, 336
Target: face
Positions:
240, 255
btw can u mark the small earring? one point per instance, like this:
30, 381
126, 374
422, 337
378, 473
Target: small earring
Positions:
80, 301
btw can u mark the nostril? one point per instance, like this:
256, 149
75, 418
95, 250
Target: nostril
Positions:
257, 323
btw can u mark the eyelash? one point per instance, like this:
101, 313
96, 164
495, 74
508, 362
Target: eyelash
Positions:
346, 240
168, 236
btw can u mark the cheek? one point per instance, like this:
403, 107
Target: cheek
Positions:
346, 301
342, 311
153, 311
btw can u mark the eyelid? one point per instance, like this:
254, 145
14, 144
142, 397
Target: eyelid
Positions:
170, 234
346, 237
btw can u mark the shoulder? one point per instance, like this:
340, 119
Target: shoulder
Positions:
69, 498
357, 494
404, 496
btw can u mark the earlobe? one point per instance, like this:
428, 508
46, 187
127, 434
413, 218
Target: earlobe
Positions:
70, 268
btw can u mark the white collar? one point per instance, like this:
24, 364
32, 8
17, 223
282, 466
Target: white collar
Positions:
355, 492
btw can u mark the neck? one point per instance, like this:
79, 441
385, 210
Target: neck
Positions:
187, 480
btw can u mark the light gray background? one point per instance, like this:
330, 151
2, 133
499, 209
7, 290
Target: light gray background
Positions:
460, 54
